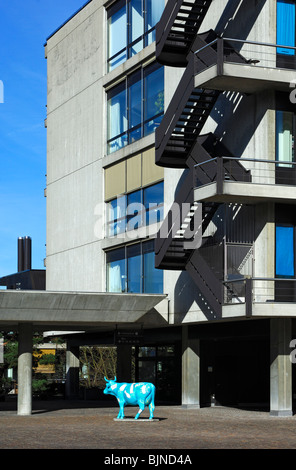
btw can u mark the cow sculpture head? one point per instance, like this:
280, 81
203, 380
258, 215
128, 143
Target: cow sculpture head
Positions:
110, 385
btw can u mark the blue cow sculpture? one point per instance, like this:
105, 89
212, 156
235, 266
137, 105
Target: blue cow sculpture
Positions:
141, 394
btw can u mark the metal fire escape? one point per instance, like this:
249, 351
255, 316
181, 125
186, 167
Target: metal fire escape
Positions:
180, 144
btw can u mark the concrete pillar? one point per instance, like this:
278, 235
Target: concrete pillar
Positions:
124, 363
280, 367
24, 370
190, 370
72, 372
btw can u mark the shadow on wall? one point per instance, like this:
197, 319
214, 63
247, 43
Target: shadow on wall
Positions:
186, 294
238, 18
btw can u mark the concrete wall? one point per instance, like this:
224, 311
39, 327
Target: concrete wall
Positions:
76, 126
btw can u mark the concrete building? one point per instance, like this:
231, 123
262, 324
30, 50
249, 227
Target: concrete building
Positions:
183, 135
170, 196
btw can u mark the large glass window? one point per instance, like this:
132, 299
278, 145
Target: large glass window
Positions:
136, 209
131, 269
131, 27
135, 107
284, 254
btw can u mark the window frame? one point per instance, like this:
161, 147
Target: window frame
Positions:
126, 136
126, 51
142, 246
129, 216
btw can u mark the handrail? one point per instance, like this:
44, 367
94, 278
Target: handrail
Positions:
256, 43
259, 160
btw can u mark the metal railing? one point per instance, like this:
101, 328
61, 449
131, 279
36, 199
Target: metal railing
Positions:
259, 290
255, 171
246, 52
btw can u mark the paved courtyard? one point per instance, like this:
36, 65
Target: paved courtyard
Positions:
90, 425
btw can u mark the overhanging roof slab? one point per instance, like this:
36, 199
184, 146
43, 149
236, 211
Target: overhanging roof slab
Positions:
74, 309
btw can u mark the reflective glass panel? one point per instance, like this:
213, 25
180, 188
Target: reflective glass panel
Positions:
134, 210
284, 137
117, 216
153, 202
135, 106
153, 278
154, 97
117, 21
134, 268
154, 11
284, 259
286, 26
117, 118
116, 270
136, 28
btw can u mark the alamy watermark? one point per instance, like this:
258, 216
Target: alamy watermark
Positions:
177, 221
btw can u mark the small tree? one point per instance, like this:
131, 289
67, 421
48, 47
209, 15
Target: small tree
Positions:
97, 363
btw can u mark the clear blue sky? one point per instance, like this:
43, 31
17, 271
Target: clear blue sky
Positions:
24, 27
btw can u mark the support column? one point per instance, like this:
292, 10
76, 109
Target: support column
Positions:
72, 372
24, 370
124, 363
280, 367
190, 370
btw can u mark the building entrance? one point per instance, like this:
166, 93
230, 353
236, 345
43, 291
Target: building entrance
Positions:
161, 366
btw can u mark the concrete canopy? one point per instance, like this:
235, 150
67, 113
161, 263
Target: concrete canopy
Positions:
72, 310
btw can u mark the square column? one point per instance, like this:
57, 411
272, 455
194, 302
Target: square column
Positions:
190, 370
72, 372
24, 369
124, 363
280, 367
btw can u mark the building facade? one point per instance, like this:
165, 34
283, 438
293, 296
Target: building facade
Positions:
171, 170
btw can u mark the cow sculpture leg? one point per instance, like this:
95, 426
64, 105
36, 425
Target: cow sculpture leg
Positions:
121, 410
151, 410
141, 409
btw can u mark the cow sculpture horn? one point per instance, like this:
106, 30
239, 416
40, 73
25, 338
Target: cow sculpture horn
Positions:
110, 380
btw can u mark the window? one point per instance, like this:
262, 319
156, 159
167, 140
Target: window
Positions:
131, 269
286, 14
135, 106
285, 137
131, 27
284, 259
136, 209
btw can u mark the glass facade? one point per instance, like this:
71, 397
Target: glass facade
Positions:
131, 27
135, 107
131, 269
136, 209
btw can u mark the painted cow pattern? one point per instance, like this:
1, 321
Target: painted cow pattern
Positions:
141, 394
